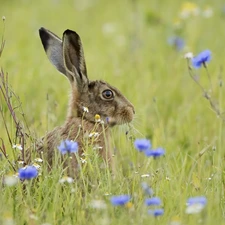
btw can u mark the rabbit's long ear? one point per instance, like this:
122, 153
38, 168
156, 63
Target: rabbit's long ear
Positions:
73, 56
54, 50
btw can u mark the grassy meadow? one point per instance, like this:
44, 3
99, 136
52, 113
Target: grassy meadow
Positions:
130, 44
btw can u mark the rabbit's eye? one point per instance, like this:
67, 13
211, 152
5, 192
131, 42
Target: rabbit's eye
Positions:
107, 94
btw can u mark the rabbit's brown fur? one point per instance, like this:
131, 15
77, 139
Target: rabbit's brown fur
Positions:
98, 96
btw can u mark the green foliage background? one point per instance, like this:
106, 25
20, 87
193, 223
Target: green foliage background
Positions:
125, 43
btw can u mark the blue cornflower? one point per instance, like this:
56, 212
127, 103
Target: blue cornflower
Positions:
197, 200
195, 204
120, 199
156, 212
142, 144
155, 152
201, 59
176, 42
68, 146
27, 172
153, 201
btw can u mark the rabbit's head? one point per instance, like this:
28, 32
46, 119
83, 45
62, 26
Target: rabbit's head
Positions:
97, 96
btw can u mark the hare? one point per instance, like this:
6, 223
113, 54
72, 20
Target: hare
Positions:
88, 99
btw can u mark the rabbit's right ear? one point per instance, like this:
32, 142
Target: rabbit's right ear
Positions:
54, 50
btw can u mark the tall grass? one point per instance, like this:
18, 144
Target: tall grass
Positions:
126, 44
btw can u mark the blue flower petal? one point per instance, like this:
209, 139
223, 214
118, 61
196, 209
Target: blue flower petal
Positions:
201, 59
67, 146
120, 199
28, 172
153, 201
156, 212
142, 144
197, 200
155, 152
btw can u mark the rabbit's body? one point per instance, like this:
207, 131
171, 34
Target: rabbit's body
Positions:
88, 99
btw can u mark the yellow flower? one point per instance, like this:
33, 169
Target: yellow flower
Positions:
97, 118
188, 9
129, 205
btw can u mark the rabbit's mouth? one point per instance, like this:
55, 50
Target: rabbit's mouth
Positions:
126, 115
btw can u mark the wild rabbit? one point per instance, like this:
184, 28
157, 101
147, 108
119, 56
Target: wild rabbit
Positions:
90, 100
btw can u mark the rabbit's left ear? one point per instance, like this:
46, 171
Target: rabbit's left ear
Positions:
53, 48
73, 56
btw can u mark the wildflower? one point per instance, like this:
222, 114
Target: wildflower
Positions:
83, 160
188, 9
153, 201
120, 200
207, 12
145, 175
66, 179
188, 55
147, 189
85, 109
67, 146
195, 204
129, 205
36, 166
98, 204
18, 146
156, 212
107, 194
193, 200
33, 217
201, 59
28, 172
93, 134
176, 42
20, 162
10, 180
97, 118
39, 160
3, 18
155, 152
142, 144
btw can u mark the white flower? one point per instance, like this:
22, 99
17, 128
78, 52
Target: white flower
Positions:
3, 18
83, 160
8, 221
36, 166
97, 148
32, 216
93, 134
188, 55
38, 160
20, 162
145, 175
207, 13
66, 179
107, 194
10, 180
194, 208
98, 204
85, 109
18, 146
